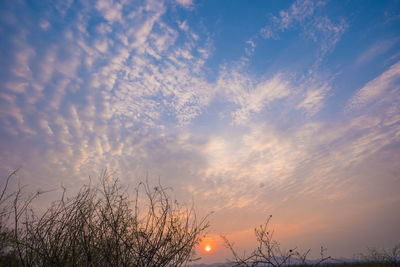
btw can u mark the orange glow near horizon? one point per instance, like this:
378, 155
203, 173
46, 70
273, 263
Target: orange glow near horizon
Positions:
208, 246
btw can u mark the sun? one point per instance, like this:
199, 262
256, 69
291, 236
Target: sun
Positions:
208, 245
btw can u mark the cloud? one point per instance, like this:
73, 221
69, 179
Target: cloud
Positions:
309, 159
299, 11
102, 94
314, 98
111, 11
248, 94
250, 47
121, 93
101, 46
375, 50
185, 3
246, 160
378, 89
44, 25
326, 33
22, 63
165, 39
17, 86
304, 15
183, 25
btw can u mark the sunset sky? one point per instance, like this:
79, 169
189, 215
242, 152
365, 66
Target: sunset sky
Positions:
246, 108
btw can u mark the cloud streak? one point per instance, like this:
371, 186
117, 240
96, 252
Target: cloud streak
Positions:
379, 89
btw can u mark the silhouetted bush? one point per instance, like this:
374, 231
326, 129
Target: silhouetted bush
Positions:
101, 225
385, 257
7, 254
270, 253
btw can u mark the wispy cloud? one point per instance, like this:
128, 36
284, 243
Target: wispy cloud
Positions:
314, 97
298, 12
185, 3
249, 95
379, 89
375, 50
44, 24
302, 15
326, 33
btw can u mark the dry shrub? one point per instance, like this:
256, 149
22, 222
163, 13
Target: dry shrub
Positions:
102, 225
269, 251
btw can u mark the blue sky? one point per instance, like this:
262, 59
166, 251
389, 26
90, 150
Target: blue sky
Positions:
251, 108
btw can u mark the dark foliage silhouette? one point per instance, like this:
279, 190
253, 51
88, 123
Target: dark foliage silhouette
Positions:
269, 251
382, 256
101, 225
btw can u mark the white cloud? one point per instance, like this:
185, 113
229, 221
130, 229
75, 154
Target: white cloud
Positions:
64, 6
250, 47
46, 127
183, 25
143, 79
164, 39
159, 78
17, 87
376, 89
302, 14
111, 11
141, 35
375, 49
259, 155
314, 98
326, 33
185, 3
298, 12
22, 63
250, 96
44, 25
102, 46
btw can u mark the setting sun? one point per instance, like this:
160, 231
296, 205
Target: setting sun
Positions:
208, 248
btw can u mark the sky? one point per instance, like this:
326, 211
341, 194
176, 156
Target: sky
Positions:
246, 108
